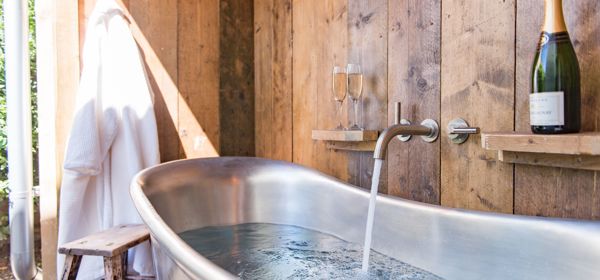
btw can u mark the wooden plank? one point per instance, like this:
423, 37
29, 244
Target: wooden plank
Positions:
530, 16
583, 25
113, 268
58, 79
345, 135
572, 144
477, 74
236, 80
198, 75
72, 263
368, 146
548, 191
555, 160
154, 25
170, 105
557, 192
108, 243
273, 78
320, 32
367, 46
414, 63
263, 76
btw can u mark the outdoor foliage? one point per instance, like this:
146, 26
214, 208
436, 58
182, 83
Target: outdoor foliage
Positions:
3, 140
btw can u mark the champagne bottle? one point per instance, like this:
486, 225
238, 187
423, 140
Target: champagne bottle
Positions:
554, 105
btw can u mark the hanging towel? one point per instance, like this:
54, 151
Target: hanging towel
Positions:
113, 137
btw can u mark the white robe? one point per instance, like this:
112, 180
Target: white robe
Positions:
113, 137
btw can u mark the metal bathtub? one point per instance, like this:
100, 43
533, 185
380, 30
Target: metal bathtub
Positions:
452, 243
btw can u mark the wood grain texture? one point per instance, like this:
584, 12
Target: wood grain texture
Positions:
154, 24
107, 243
555, 160
71, 268
572, 144
320, 36
549, 191
366, 146
197, 50
557, 192
530, 15
58, 79
367, 46
273, 78
113, 268
345, 135
477, 85
236, 81
414, 63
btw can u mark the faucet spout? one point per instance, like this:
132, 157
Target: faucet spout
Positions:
428, 129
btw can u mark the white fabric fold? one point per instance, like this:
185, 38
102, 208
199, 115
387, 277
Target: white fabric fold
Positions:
113, 137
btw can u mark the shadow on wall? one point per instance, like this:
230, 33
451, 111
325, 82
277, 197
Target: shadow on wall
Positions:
171, 105
181, 134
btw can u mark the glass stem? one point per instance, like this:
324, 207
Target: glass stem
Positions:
355, 113
339, 114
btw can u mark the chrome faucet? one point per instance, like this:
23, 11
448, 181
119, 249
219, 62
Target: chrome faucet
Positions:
428, 130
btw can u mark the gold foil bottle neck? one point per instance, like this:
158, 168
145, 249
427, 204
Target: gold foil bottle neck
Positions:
554, 21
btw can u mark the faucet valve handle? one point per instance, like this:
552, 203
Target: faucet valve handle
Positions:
459, 130
399, 120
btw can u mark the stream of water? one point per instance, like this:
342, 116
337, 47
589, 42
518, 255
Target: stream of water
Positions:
371, 214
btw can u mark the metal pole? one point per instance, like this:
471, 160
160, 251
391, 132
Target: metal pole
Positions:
18, 103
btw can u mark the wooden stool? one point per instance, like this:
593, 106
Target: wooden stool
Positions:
112, 244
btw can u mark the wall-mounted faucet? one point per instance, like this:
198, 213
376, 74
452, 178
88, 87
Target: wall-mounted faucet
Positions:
459, 131
428, 130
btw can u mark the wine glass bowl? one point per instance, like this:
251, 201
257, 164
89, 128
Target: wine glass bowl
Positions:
340, 90
355, 79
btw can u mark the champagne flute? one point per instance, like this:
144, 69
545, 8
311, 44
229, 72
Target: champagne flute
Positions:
355, 78
339, 91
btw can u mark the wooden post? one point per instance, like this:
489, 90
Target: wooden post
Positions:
58, 76
113, 268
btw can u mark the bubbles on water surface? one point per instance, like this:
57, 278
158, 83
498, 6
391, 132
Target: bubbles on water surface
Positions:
270, 251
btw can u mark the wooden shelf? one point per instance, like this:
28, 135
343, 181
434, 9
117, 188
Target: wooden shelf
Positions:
350, 140
577, 150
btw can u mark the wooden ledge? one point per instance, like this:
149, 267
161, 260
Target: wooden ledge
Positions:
576, 151
572, 144
583, 162
348, 140
367, 146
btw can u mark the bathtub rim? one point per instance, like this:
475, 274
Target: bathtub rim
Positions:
197, 265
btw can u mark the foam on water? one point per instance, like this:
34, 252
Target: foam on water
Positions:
371, 214
270, 251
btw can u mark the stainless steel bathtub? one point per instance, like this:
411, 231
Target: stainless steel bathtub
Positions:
452, 243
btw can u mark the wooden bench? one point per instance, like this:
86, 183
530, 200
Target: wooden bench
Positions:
111, 244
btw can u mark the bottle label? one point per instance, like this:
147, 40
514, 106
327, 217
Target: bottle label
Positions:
547, 108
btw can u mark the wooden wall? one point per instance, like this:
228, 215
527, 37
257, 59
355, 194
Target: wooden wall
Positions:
441, 59
199, 57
